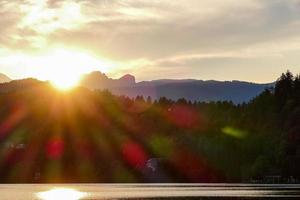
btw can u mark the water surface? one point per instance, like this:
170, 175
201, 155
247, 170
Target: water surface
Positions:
147, 191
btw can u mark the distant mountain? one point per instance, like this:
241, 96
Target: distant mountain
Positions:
98, 80
4, 78
191, 89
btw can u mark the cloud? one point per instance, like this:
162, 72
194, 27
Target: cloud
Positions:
184, 35
162, 29
49, 16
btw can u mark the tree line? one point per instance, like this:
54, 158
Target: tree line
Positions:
94, 136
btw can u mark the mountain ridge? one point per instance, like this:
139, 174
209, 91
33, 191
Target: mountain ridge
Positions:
191, 89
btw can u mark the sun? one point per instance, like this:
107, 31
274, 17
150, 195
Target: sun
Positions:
65, 83
64, 68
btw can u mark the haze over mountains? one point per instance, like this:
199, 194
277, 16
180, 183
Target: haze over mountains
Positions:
190, 89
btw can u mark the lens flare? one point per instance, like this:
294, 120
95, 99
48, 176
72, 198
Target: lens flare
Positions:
234, 132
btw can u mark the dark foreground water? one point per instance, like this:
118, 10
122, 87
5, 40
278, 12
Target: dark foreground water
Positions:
147, 191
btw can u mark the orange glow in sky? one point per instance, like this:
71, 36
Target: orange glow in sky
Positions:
62, 67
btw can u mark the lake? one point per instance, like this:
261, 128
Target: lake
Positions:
147, 191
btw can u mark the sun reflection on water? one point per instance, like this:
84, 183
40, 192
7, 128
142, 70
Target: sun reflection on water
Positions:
61, 194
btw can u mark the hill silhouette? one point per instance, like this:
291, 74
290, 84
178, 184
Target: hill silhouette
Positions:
190, 89
19, 85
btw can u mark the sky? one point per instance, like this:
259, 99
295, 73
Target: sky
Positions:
251, 40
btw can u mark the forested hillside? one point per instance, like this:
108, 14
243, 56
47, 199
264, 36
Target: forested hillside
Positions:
93, 136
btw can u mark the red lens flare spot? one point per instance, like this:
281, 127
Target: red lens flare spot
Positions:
55, 148
134, 154
195, 168
17, 113
183, 116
